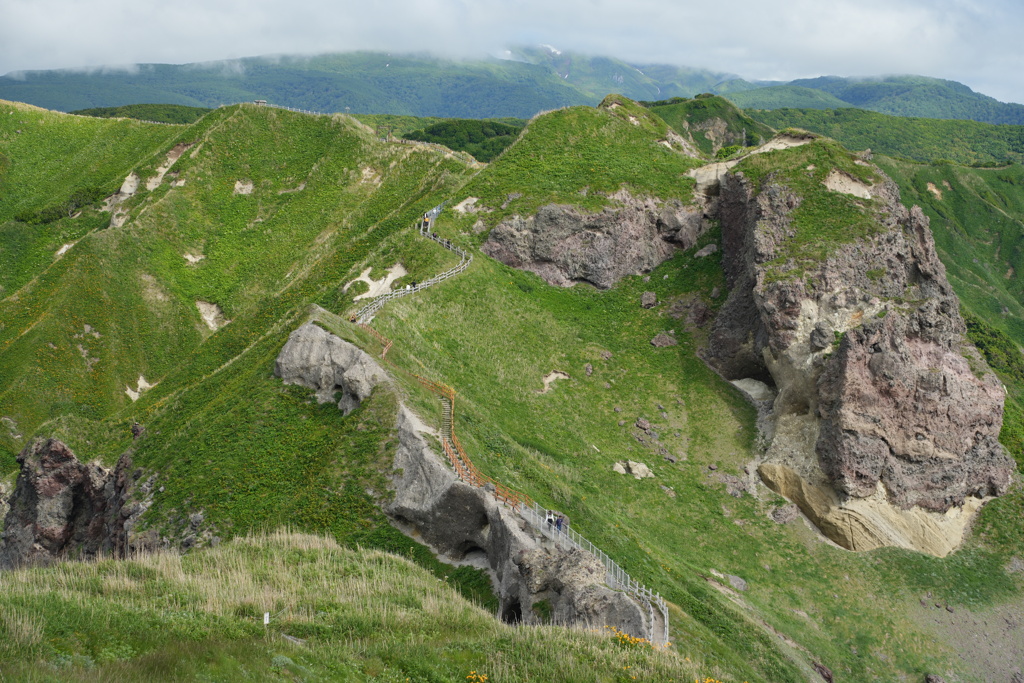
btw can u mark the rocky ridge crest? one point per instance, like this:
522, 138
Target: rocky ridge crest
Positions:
885, 425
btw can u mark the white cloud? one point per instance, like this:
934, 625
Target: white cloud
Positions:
974, 41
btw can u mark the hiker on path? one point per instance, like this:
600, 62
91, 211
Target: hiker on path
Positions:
549, 517
559, 522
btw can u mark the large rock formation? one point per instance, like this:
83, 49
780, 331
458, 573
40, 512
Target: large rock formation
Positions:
461, 523
886, 422
329, 365
62, 508
565, 246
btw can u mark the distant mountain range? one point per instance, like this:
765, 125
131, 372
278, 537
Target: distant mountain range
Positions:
526, 81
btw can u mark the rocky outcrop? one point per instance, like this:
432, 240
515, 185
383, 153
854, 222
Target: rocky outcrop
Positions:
63, 508
565, 246
465, 524
885, 425
328, 365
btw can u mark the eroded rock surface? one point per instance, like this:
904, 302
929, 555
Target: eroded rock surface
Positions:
63, 508
327, 364
463, 524
565, 246
886, 418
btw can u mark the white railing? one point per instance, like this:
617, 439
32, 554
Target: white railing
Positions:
366, 313
615, 576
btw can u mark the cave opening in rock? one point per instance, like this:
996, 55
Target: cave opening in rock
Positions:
472, 553
512, 613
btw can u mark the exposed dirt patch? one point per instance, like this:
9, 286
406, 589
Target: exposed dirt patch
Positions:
193, 258
935, 191
837, 181
300, 188
64, 249
243, 187
140, 386
212, 315
551, 378
152, 292
377, 287
161, 170
782, 142
89, 360
370, 176
467, 205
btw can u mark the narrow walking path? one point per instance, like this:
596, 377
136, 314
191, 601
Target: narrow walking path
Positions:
656, 610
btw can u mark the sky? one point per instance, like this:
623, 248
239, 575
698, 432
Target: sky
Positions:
976, 42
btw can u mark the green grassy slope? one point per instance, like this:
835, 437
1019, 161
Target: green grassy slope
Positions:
713, 123
964, 142
580, 156
162, 113
777, 96
917, 96
52, 166
229, 440
494, 333
360, 616
319, 183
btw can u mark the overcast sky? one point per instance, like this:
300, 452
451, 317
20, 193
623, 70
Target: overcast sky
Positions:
977, 42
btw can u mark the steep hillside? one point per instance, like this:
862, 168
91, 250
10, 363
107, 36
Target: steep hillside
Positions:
162, 113
792, 96
963, 142
335, 614
895, 95
354, 82
713, 122
272, 212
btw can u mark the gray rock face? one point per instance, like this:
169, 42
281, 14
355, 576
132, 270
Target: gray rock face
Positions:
327, 364
868, 354
461, 523
64, 508
466, 524
565, 246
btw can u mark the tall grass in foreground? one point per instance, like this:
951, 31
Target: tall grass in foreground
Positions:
347, 614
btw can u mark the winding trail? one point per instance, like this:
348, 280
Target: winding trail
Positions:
656, 610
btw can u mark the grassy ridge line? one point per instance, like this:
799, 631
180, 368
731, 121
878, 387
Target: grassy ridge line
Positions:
53, 159
920, 139
366, 615
580, 156
171, 223
161, 113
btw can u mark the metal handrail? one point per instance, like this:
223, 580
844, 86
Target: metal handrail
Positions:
615, 576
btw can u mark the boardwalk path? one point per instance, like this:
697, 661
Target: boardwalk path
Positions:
616, 577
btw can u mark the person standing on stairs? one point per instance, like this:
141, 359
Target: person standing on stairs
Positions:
549, 517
